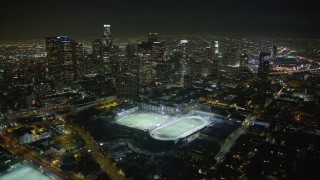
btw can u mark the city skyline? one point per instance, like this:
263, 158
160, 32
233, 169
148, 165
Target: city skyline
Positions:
79, 19
159, 89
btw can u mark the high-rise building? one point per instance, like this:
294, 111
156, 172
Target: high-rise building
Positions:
162, 73
216, 47
107, 41
79, 63
153, 47
150, 54
53, 49
230, 64
264, 69
106, 44
195, 70
244, 70
127, 86
40, 70
153, 37
94, 63
274, 51
97, 49
211, 65
185, 69
230, 58
64, 57
69, 65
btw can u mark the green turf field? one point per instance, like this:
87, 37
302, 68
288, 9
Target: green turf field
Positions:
178, 129
142, 121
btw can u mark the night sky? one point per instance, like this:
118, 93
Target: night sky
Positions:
24, 19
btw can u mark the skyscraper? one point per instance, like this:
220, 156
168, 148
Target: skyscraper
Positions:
230, 64
152, 37
264, 69
95, 63
244, 59
54, 59
64, 57
69, 64
150, 54
216, 47
107, 41
106, 45
127, 86
79, 63
184, 60
97, 49
274, 51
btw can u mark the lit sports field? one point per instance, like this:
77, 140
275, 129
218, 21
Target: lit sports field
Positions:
25, 173
143, 121
178, 129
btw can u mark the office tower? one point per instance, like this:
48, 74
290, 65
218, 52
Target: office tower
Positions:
147, 71
263, 70
107, 41
162, 73
230, 58
244, 59
153, 47
79, 63
63, 56
69, 60
230, 64
106, 45
40, 70
157, 51
53, 50
127, 86
96, 49
153, 37
195, 70
8, 77
274, 51
124, 63
211, 65
94, 63
184, 60
150, 54
216, 47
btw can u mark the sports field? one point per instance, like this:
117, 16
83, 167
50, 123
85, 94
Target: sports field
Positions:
143, 121
178, 129
25, 173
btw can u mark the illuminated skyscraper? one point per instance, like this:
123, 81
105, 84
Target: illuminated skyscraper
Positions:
95, 64
65, 58
230, 64
152, 37
216, 47
107, 41
151, 54
230, 58
184, 59
274, 51
79, 63
53, 49
127, 86
244, 59
106, 44
264, 69
69, 64
97, 49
